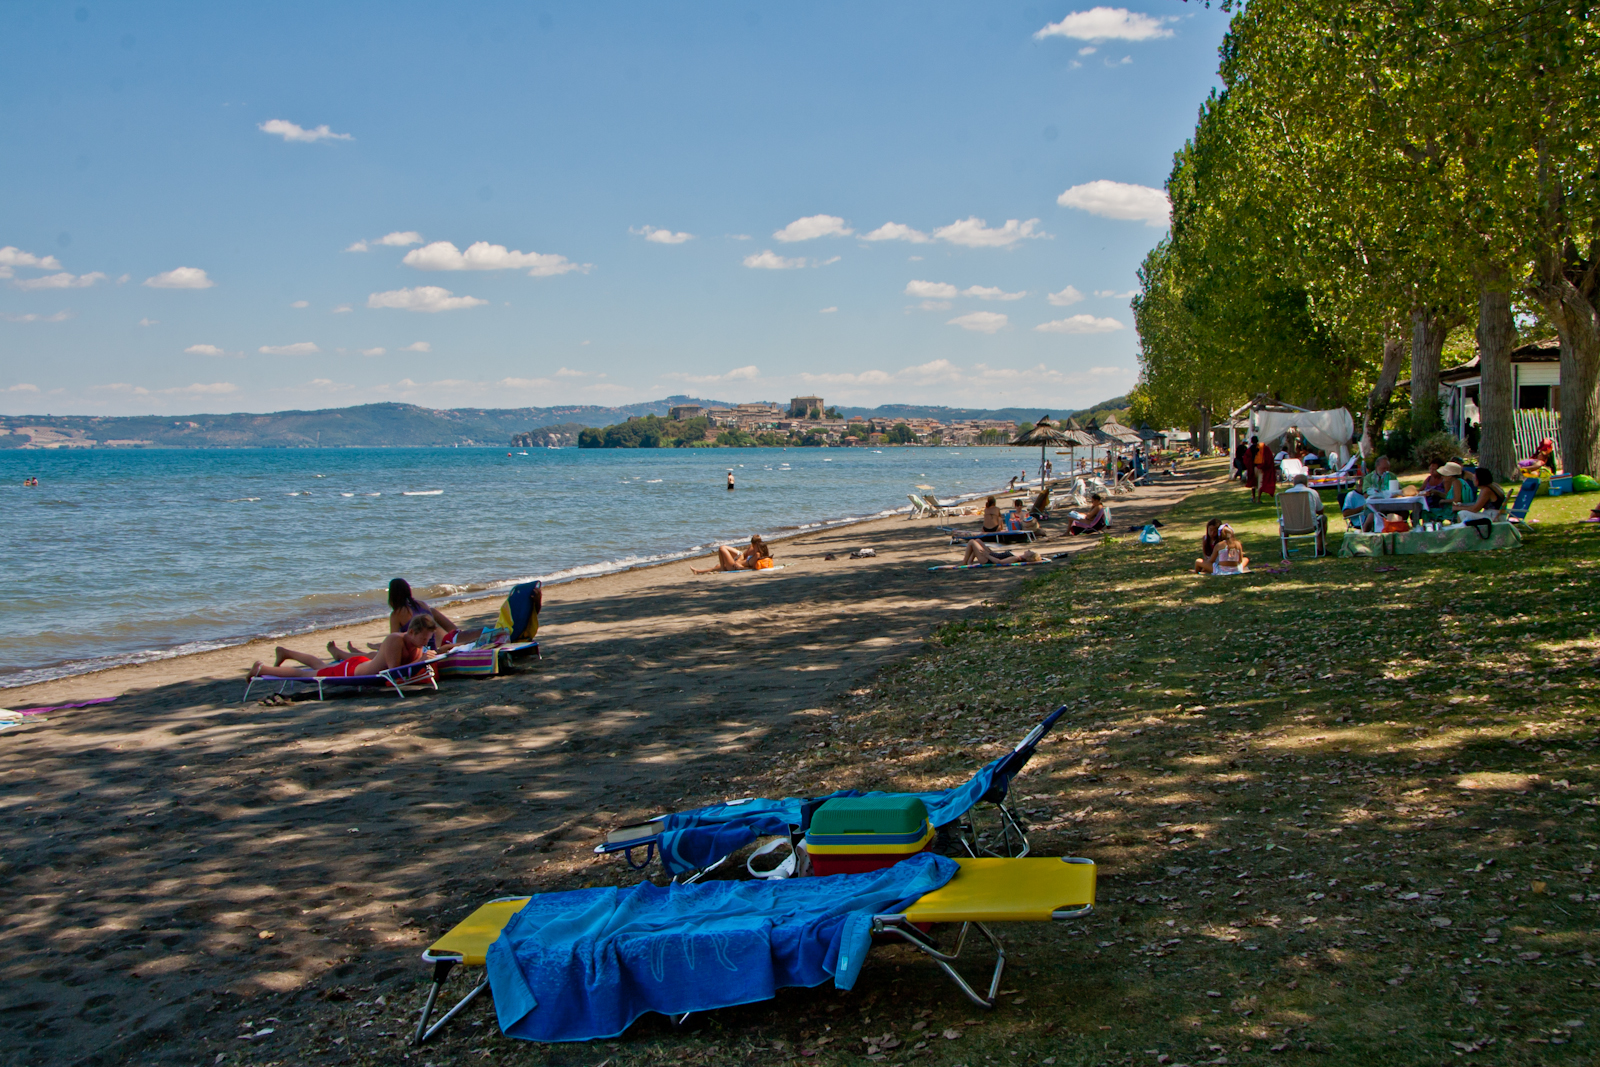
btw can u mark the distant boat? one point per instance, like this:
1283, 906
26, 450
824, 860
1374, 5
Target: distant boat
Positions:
424, 492
522, 453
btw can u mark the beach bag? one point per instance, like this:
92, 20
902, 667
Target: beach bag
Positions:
1484, 527
1582, 483
763, 564
1150, 535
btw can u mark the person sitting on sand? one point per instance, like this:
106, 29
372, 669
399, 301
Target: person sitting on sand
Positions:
403, 606
1229, 557
993, 518
732, 559
979, 553
1208, 545
1090, 520
397, 650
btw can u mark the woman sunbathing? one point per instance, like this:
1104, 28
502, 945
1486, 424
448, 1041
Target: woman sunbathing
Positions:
980, 553
397, 650
732, 559
992, 518
1091, 520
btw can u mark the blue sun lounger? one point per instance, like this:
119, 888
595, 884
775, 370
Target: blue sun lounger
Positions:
585, 964
692, 843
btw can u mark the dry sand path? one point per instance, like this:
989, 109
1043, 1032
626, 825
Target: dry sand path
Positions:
178, 863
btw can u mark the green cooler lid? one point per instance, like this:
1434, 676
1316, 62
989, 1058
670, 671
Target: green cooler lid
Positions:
889, 813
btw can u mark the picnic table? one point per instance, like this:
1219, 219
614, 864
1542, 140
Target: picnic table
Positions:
1431, 542
1413, 507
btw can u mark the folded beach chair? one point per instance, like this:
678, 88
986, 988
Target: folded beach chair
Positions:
994, 537
1291, 467
937, 508
691, 844
919, 507
422, 673
582, 965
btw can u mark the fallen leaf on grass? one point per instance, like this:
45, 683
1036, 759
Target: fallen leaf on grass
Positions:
952, 1034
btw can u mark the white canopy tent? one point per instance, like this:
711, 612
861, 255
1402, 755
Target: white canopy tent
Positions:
1331, 430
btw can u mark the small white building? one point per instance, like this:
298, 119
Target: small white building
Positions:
1535, 387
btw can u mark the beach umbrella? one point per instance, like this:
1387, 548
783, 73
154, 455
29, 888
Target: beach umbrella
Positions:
1045, 436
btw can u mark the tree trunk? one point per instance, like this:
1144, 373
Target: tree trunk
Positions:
1394, 351
1428, 330
1205, 429
1578, 324
1497, 448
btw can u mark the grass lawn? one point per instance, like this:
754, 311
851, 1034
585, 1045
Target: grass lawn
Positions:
1344, 814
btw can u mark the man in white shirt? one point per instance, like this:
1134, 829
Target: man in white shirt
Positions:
1302, 484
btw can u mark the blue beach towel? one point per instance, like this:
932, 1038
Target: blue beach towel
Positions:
585, 964
692, 840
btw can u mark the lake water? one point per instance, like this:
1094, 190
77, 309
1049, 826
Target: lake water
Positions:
125, 556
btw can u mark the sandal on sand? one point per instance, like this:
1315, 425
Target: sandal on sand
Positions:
276, 700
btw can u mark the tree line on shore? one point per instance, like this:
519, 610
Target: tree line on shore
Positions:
1371, 176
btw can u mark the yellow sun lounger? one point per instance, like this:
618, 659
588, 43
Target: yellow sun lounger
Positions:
985, 890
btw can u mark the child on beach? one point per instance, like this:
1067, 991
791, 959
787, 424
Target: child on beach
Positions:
1228, 557
397, 650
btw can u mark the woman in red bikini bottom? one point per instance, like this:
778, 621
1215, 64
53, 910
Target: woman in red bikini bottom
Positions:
397, 650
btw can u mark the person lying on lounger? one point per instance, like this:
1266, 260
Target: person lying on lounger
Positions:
731, 559
980, 553
397, 650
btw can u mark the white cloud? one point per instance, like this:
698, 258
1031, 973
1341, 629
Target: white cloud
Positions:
149, 322
1066, 297
62, 280
481, 255
301, 304
1088, 50
738, 374
975, 233
827, 311
418, 346
358, 246
340, 310
124, 279
936, 305
429, 298
11, 257
60, 316
290, 132
205, 350
524, 383
1108, 24
896, 231
1129, 295
1123, 61
373, 351
1119, 200
22, 387
400, 239
770, 260
302, 348
931, 290
568, 372
812, 227
202, 389
1079, 324
180, 278
659, 236
980, 321
989, 292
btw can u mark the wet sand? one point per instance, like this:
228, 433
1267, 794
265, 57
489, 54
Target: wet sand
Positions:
179, 863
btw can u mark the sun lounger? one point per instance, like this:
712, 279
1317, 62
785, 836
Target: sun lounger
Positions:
1524, 500
939, 509
920, 508
994, 537
486, 661
692, 843
1011, 563
412, 676
585, 964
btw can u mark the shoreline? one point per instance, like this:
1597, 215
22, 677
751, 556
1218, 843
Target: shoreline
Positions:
494, 590
471, 605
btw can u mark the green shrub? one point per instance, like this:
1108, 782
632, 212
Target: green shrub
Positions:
1437, 447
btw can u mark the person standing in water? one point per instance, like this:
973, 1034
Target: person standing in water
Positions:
730, 479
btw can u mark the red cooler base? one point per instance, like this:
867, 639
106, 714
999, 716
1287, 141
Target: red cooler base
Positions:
857, 862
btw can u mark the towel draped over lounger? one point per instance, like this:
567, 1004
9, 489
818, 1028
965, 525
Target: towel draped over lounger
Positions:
585, 964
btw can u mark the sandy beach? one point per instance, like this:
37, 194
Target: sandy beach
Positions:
180, 863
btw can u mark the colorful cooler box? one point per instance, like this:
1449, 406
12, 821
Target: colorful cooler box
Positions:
852, 834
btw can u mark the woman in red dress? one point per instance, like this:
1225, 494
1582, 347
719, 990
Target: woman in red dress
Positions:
1266, 473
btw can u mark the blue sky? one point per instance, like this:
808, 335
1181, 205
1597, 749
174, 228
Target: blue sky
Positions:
937, 203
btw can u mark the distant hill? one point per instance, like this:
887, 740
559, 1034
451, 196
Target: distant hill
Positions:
366, 426
404, 425
1117, 404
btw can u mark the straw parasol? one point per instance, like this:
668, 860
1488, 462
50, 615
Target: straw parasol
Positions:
1044, 435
